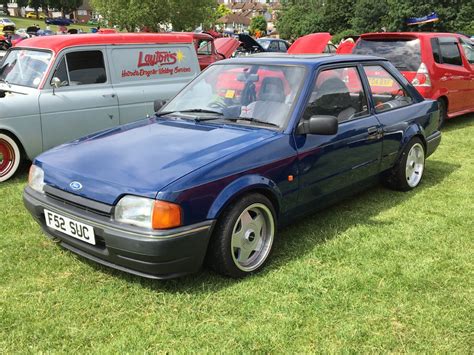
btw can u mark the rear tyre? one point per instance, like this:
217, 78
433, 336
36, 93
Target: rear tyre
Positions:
10, 157
408, 172
443, 112
243, 237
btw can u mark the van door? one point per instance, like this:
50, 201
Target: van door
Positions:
84, 102
144, 73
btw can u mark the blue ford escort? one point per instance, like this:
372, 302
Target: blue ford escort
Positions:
248, 146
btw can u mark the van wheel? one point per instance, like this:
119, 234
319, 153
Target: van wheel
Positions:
243, 237
10, 157
408, 172
443, 112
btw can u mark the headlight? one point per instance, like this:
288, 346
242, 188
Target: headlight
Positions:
36, 178
147, 213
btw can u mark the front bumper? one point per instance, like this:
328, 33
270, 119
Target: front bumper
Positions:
152, 254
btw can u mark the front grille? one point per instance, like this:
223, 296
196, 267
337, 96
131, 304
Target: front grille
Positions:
65, 202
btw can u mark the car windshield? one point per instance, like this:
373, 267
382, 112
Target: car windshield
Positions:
246, 94
24, 67
264, 43
405, 54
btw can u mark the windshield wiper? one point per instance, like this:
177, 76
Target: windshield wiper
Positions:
6, 82
193, 110
252, 119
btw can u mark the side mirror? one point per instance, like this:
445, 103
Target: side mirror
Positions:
324, 125
56, 82
158, 104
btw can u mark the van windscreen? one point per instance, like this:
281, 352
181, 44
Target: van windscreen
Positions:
404, 54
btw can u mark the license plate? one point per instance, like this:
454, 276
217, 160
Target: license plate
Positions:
380, 82
70, 227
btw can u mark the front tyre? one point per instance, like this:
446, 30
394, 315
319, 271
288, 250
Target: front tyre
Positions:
243, 237
408, 172
10, 157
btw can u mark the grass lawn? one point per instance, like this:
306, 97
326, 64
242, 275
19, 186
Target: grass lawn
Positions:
22, 22
383, 271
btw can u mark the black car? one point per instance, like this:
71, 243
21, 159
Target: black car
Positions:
273, 44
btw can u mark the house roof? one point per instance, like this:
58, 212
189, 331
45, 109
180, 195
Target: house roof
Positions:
235, 18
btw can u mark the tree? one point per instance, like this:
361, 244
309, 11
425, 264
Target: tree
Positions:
299, 18
186, 15
369, 16
153, 14
221, 11
258, 24
447, 11
36, 4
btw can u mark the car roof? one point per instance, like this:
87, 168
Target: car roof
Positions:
300, 59
59, 42
406, 34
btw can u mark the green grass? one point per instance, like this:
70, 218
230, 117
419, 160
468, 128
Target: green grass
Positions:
383, 271
22, 22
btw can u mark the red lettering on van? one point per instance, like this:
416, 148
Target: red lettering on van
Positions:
157, 58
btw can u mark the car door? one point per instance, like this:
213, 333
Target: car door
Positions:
395, 109
455, 74
327, 164
84, 101
468, 50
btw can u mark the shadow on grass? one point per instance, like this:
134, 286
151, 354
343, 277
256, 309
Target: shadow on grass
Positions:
458, 123
296, 240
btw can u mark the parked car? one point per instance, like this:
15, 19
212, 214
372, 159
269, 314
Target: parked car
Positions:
274, 44
32, 15
58, 21
6, 22
58, 88
210, 49
247, 46
215, 173
439, 65
314, 43
7, 27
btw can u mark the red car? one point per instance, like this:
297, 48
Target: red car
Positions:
439, 65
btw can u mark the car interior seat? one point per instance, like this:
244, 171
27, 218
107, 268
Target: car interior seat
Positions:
272, 89
333, 98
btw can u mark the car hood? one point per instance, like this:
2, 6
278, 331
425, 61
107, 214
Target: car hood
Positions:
226, 46
250, 44
310, 44
141, 158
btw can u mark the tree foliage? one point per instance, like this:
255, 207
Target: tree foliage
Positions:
183, 15
258, 24
300, 17
65, 6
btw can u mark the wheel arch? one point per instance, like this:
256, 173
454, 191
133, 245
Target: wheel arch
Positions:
242, 186
17, 140
414, 131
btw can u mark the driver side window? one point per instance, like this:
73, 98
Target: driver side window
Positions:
339, 93
81, 68
61, 73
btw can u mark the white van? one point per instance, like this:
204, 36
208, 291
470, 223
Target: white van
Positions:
58, 88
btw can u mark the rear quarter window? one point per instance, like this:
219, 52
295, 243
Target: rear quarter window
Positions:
449, 51
405, 54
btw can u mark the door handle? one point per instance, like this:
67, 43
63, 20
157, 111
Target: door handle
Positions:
372, 130
108, 96
374, 133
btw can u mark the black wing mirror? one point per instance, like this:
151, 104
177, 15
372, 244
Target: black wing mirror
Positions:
158, 104
324, 125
